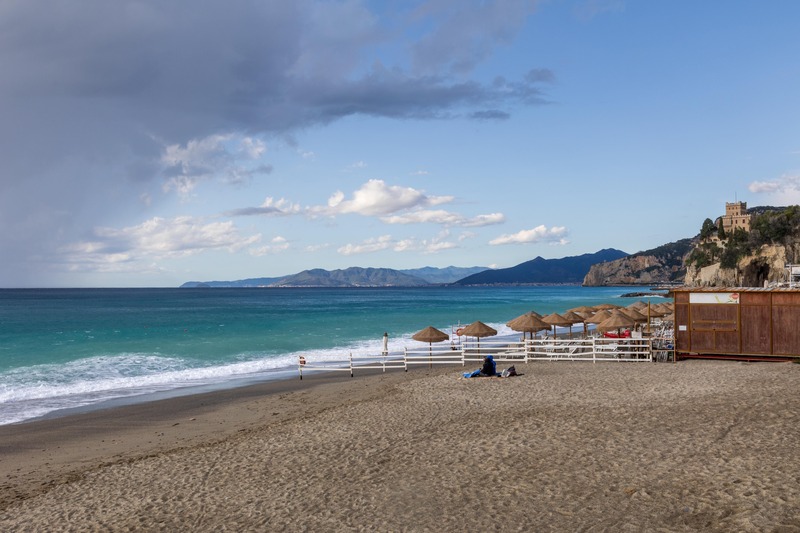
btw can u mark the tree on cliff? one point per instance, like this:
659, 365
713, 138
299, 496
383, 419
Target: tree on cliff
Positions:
708, 229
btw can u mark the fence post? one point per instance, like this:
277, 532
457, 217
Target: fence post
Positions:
405, 358
594, 350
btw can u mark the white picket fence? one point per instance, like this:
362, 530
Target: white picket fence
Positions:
592, 349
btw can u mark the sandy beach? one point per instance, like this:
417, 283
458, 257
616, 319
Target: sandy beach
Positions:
697, 445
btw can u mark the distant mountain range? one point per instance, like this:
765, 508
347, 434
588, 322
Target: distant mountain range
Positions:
565, 270
352, 277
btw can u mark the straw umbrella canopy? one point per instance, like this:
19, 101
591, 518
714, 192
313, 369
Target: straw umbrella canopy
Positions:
666, 306
582, 309
635, 315
616, 321
656, 310
530, 322
598, 317
637, 305
575, 318
606, 306
478, 329
430, 335
554, 319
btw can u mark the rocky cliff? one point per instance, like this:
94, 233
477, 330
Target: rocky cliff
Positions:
664, 264
766, 265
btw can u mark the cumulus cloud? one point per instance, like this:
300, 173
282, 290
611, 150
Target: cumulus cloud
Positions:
552, 235
157, 238
211, 158
445, 218
785, 183
392, 204
136, 97
270, 207
376, 198
386, 242
783, 190
276, 245
370, 245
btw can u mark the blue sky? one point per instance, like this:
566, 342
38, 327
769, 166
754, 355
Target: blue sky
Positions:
149, 143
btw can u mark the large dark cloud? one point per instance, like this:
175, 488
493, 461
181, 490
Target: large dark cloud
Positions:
92, 92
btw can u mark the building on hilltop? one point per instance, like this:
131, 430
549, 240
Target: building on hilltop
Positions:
736, 216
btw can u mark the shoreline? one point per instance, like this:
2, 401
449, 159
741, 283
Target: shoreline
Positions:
566, 446
50, 450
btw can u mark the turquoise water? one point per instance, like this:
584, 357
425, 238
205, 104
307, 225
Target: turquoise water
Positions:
67, 348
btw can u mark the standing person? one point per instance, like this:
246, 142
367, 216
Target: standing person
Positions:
385, 343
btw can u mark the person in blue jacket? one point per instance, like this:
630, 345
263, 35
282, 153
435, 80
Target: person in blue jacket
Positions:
489, 367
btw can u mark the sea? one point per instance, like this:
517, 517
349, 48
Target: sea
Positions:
67, 350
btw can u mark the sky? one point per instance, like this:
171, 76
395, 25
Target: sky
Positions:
148, 143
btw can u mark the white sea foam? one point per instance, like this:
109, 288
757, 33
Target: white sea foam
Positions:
34, 391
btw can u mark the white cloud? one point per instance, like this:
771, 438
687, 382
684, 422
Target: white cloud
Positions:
252, 148
270, 207
217, 157
368, 246
386, 242
783, 184
784, 190
317, 247
376, 198
553, 235
155, 238
445, 218
277, 245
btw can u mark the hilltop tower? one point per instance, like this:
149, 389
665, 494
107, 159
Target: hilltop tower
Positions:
735, 216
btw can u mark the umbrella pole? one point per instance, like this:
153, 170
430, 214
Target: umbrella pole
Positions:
430, 355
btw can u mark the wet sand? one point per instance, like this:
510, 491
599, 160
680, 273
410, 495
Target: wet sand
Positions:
698, 445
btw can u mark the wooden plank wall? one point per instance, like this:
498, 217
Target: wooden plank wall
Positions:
763, 323
786, 323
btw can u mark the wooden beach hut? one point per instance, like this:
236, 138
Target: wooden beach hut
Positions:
737, 322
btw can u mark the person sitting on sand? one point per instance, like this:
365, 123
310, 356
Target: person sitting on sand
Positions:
489, 367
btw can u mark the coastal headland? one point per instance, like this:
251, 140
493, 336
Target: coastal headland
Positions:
705, 445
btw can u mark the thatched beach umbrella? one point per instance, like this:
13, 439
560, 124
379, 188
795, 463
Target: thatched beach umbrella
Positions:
575, 318
554, 319
430, 335
637, 317
530, 322
666, 306
478, 329
638, 305
657, 310
598, 317
617, 320
583, 309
